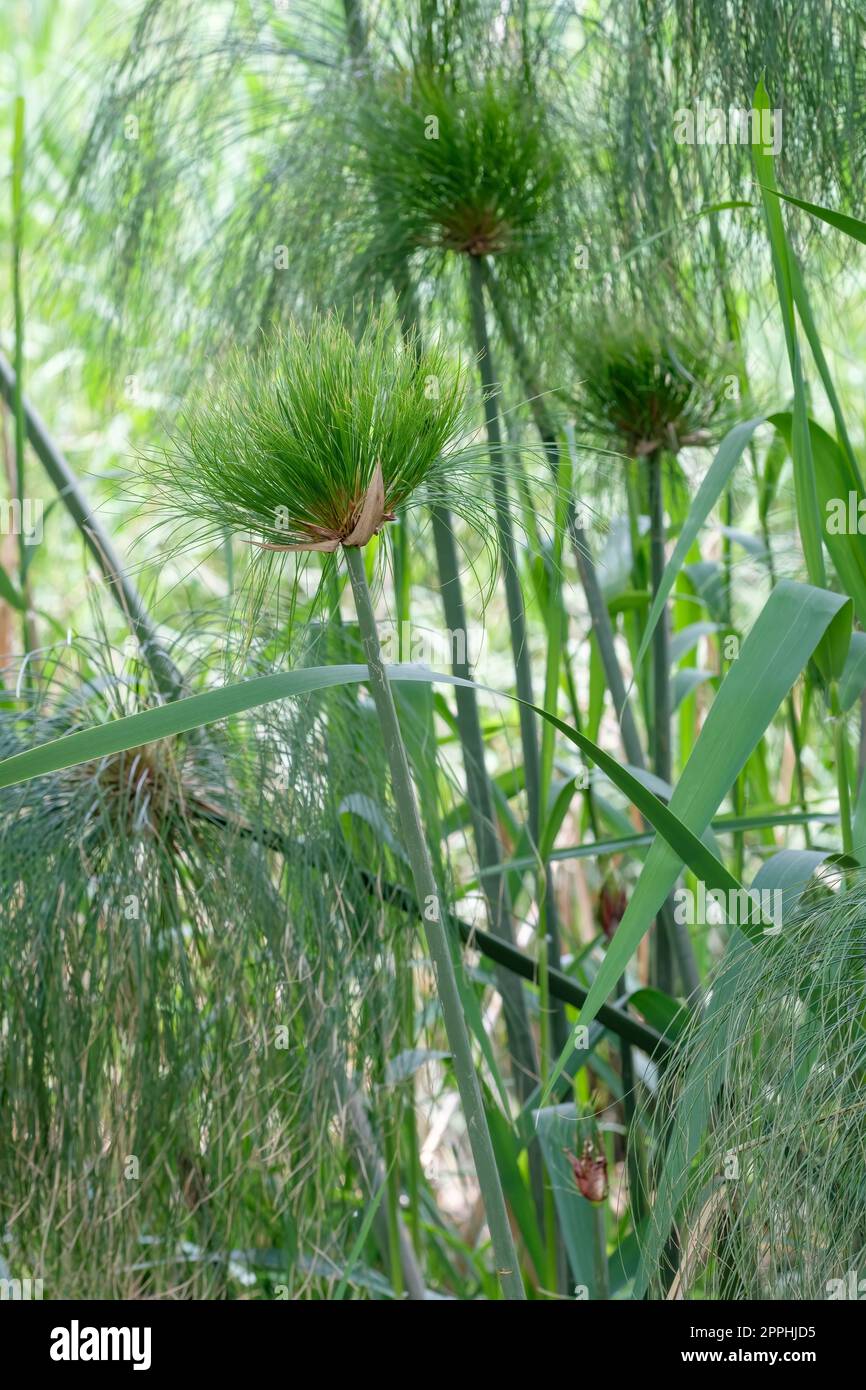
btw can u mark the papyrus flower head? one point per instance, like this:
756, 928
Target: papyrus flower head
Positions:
472, 167
317, 439
647, 390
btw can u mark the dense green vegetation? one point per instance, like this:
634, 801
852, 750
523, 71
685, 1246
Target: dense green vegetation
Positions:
433, 636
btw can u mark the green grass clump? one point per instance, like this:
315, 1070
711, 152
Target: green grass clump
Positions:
761, 1121
286, 443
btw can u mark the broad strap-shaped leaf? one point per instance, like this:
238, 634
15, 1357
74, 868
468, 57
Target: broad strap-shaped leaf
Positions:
8, 593
790, 872
182, 716
851, 226
837, 484
686, 638
808, 518
170, 719
556, 1126
195, 711
794, 620
668, 1015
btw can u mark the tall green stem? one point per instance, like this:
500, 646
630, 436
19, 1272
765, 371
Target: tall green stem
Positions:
603, 628
796, 742
842, 782
549, 1224
478, 792
661, 733
480, 801
402, 582
661, 724
18, 303
121, 587
599, 615
437, 938
514, 602
508, 551
406, 987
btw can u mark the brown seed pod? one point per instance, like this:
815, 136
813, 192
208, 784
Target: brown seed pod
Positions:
590, 1172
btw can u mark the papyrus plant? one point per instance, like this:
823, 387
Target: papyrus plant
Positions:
453, 160
183, 1007
457, 165
651, 394
313, 444
337, 180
